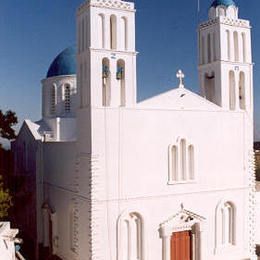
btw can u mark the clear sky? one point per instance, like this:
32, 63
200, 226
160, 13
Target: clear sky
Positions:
34, 32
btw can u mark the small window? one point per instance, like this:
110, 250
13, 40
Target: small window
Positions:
225, 225
181, 162
67, 98
236, 46
106, 83
120, 76
242, 101
53, 100
113, 32
130, 237
232, 91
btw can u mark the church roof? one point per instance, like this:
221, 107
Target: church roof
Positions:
223, 2
64, 63
179, 99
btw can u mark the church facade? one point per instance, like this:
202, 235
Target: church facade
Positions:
171, 177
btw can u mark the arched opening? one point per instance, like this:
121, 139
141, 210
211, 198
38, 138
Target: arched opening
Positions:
232, 91
236, 46
120, 76
227, 213
209, 86
183, 159
228, 45
113, 32
242, 101
225, 225
124, 33
244, 46
67, 98
130, 237
101, 31
106, 83
191, 161
173, 160
209, 48
53, 99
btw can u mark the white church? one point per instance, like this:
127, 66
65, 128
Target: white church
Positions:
167, 178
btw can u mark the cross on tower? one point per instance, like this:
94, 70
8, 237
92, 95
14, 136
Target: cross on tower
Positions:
180, 75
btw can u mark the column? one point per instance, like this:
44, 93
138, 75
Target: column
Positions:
166, 245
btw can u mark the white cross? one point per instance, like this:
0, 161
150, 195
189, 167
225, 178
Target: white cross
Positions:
180, 75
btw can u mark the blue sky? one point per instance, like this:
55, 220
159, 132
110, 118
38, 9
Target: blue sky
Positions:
34, 32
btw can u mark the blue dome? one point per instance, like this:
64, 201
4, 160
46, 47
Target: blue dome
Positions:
223, 2
63, 64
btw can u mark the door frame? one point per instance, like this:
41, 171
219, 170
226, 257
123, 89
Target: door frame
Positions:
183, 221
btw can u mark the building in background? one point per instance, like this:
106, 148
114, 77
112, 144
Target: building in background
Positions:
169, 178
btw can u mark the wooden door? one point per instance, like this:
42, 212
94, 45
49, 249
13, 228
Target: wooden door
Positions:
181, 246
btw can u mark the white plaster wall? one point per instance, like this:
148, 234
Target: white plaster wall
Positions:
258, 218
132, 150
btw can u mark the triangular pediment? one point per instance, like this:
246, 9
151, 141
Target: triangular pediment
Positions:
183, 220
179, 99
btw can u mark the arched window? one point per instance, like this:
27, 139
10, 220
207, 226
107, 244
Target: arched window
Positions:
183, 159
130, 237
67, 98
181, 162
53, 98
236, 46
120, 76
228, 45
124, 33
113, 32
232, 91
242, 101
106, 83
209, 86
225, 225
209, 48
173, 163
244, 46
101, 31
191, 161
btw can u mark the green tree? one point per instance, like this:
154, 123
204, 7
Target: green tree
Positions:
5, 200
7, 121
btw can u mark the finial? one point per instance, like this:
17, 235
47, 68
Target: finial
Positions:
180, 76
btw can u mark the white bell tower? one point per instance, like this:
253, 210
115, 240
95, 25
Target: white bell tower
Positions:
225, 59
106, 54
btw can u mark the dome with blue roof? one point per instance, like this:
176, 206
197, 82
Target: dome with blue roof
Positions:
223, 2
64, 63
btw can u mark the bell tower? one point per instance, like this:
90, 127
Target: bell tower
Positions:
106, 54
225, 58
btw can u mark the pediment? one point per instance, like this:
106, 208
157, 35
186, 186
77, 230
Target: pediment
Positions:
179, 99
183, 220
